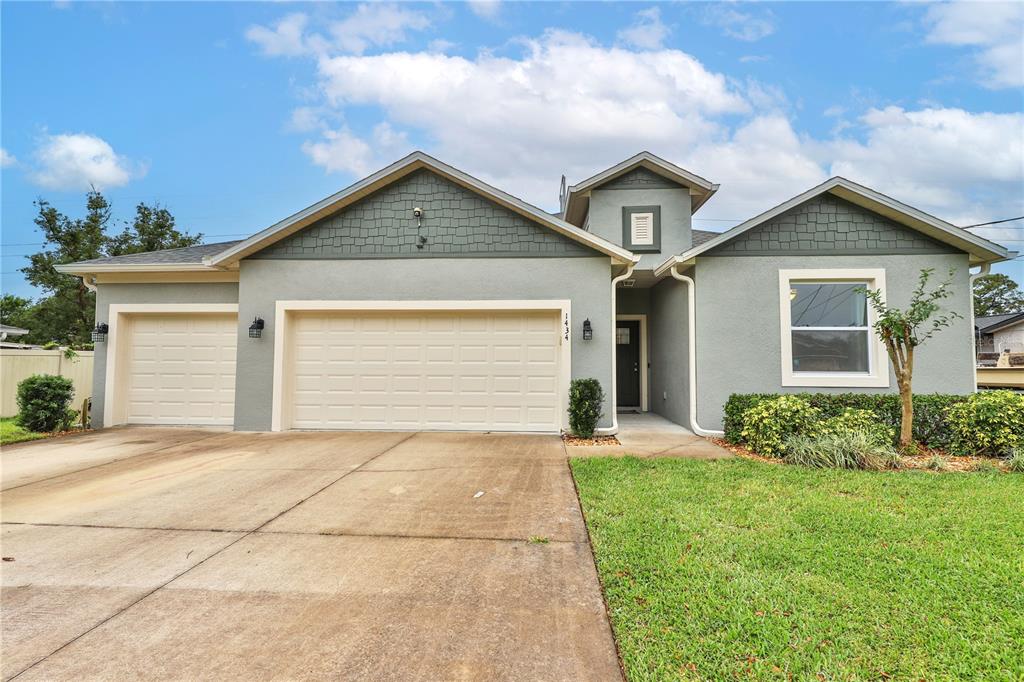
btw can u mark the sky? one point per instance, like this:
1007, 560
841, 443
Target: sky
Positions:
236, 115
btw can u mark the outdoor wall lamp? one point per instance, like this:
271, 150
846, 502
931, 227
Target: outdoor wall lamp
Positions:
99, 333
256, 328
588, 331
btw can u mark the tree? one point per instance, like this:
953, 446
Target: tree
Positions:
996, 294
15, 311
902, 331
152, 230
67, 313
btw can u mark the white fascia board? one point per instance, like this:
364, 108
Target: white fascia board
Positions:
676, 172
86, 269
920, 221
387, 175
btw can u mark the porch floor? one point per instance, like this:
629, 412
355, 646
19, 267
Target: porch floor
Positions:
646, 434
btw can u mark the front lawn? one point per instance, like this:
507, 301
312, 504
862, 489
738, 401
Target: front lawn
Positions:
737, 569
10, 432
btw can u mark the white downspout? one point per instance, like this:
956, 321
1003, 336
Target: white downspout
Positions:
691, 338
985, 268
614, 428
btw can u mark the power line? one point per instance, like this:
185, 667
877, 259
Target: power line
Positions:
994, 222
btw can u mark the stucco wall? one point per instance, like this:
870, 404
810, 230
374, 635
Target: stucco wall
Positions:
584, 281
455, 223
738, 326
632, 301
606, 218
669, 351
214, 292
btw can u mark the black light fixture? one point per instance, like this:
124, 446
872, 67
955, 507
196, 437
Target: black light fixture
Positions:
588, 331
99, 333
256, 328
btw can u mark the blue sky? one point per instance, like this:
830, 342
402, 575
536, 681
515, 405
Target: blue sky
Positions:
235, 115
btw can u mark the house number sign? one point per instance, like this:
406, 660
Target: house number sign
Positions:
566, 326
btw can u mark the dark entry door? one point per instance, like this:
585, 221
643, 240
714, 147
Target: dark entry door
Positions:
627, 361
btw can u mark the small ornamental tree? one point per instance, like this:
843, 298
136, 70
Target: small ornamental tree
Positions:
585, 402
902, 331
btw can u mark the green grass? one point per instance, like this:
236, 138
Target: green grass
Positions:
737, 569
12, 433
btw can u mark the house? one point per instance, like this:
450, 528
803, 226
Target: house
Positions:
423, 298
9, 336
1000, 333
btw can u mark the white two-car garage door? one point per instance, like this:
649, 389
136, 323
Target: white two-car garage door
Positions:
455, 370
179, 369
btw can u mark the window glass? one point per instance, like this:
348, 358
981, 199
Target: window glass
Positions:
830, 351
828, 304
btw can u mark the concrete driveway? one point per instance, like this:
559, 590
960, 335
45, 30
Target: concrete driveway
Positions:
198, 554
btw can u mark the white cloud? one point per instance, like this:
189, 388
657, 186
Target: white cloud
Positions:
754, 58
341, 151
78, 161
370, 25
286, 38
566, 103
963, 166
740, 25
6, 159
647, 31
376, 25
485, 9
995, 29
569, 104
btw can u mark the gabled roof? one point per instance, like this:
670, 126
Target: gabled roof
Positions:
980, 250
185, 258
577, 197
8, 330
993, 323
396, 171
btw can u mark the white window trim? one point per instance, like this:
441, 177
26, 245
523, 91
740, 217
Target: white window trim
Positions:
118, 315
282, 319
878, 360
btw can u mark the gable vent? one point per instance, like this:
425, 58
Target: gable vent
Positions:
642, 229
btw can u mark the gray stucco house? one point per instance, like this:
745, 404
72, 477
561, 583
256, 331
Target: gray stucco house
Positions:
423, 298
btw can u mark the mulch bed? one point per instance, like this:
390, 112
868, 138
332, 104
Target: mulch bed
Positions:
596, 440
953, 463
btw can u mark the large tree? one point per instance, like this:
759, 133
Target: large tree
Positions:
16, 311
153, 229
996, 294
66, 313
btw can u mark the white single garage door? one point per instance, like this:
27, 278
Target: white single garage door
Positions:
180, 369
444, 370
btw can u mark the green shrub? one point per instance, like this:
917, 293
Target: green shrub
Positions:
1015, 463
853, 420
936, 463
585, 406
841, 450
987, 423
44, 401
930, 421
767, 425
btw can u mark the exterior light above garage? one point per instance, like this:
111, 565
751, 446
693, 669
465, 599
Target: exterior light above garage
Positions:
99, 333
588, 331
256, 328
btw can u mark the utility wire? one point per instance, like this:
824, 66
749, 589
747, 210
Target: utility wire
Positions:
994, 222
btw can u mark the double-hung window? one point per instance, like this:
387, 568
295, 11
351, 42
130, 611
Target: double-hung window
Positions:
827, 339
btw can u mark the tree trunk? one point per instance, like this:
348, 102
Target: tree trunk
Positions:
907, 416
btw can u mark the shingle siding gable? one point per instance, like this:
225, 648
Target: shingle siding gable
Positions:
828, 225
640, 178
456, 222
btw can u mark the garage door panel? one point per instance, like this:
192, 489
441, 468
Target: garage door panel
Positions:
479, 370
180, 369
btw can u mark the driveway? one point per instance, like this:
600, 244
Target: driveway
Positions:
190, 553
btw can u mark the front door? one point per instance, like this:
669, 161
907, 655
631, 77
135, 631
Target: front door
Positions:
627, 361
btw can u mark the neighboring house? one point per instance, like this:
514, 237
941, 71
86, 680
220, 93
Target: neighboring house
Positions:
423, 298
1000, 333
9, 336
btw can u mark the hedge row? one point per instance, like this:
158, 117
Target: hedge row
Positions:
930, 424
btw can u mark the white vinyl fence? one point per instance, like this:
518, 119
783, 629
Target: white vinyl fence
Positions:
16, 365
